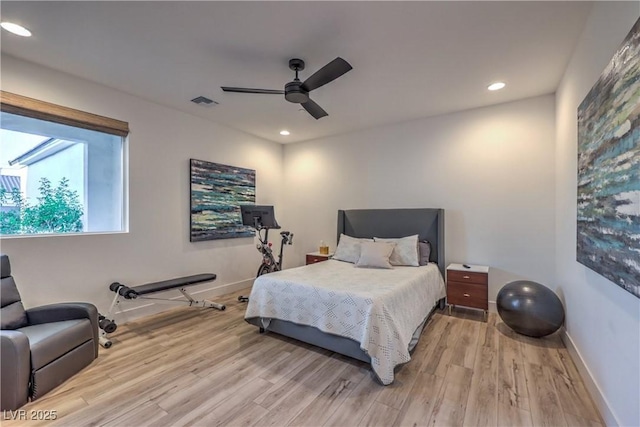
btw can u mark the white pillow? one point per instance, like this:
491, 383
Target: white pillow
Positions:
405, 252
349, 248
375, 254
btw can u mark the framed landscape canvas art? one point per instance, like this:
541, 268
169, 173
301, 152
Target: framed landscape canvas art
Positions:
217, 191
608, 215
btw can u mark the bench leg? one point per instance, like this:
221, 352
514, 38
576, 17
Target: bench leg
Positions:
204, 303
104, 339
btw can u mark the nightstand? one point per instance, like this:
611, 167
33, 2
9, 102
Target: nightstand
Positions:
468, 287
313, 257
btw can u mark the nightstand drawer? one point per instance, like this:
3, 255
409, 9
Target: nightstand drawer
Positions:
467, 294
467, 277
312, 259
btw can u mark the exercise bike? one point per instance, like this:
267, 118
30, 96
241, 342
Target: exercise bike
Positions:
269, 263
263, 219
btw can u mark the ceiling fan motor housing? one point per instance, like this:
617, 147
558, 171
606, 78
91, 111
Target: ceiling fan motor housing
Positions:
293, 92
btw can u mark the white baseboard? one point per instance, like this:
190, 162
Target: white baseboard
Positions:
131, 313
596, 394
493, 308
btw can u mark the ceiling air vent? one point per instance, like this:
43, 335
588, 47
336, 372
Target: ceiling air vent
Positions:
204, 101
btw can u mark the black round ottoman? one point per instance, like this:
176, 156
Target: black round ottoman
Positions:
530, 308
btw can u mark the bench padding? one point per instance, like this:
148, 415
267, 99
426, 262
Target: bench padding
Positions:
150, 288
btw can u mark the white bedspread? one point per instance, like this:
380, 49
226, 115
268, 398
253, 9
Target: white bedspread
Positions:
380, 309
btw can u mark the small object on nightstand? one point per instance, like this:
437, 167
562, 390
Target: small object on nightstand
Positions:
314, 257
324, 249
468, 286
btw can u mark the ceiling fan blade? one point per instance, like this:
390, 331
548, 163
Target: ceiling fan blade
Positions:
314, 109
326, 74
249, 90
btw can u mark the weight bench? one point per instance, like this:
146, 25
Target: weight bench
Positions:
124, 292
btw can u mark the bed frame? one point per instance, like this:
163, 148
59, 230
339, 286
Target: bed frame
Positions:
369, 223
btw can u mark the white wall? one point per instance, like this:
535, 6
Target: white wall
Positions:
491, 169
157, 247
602, 320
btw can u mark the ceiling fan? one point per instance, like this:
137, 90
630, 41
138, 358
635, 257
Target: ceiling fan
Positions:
297, 91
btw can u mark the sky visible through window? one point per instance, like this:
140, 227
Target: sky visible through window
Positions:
13, 144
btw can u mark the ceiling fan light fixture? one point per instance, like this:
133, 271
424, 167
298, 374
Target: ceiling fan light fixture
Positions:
16, 29
496, 86
293, 92
285, 132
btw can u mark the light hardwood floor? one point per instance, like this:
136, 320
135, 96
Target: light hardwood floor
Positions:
206, 367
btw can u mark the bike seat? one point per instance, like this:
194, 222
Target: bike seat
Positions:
284, 233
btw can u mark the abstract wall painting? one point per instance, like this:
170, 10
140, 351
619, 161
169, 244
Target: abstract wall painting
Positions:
608, 216
217, 191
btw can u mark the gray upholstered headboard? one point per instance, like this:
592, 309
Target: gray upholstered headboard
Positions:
390, 223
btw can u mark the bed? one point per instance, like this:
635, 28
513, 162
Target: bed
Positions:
372, 315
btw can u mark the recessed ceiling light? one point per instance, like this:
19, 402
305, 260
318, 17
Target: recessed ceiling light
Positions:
16, 29
285, 132
496, 86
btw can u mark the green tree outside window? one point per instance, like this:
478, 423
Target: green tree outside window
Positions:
58, 210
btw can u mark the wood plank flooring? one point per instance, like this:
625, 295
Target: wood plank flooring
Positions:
206, 367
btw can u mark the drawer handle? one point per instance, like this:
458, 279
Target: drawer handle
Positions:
466, 277
466, 295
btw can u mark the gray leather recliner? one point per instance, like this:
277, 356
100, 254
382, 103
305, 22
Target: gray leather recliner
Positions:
43, 346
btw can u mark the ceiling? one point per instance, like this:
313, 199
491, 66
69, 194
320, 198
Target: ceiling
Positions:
410, 59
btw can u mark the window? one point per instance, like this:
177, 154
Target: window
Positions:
61, 170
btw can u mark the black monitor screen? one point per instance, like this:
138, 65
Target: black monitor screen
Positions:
260, 216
